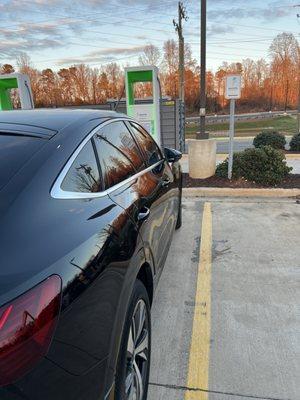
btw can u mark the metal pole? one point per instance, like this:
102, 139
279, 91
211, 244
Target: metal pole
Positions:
298, 17
231, 138
299, 106
202, 133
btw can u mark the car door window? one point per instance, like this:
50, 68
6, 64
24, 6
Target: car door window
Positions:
150, 149
115, 166
147, 144
117, 134
83, 175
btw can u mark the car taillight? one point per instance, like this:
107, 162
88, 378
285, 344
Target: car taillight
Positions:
27, 325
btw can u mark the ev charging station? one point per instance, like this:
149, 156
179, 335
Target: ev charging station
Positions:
147, 114
15, 81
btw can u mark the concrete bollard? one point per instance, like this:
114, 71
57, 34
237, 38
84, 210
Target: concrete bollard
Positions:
202, 158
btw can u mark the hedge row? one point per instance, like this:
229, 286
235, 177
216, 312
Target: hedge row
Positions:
276, 140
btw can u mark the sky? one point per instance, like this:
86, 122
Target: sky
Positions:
61, 33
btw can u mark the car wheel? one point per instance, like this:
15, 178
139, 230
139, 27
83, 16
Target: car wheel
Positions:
134, 357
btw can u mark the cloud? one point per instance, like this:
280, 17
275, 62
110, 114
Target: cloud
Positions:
77, 6
53, 23
12, 48
212, 30
34, 36
37, 25
105, 55
272, 11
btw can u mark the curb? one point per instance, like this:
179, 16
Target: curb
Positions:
230, 192
287, 156
224, 155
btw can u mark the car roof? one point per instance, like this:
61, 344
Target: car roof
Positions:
47, 122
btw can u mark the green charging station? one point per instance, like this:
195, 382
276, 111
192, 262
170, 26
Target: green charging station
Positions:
15, 81
147, 114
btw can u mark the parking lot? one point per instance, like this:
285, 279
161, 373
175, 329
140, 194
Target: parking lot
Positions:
226, 323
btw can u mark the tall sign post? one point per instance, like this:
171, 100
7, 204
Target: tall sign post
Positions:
202, 133
232, 93
147, 114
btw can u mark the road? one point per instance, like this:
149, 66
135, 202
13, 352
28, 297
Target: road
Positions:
240, 144
236, 306
242, 117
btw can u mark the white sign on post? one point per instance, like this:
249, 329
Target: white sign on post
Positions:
232, 93
233, 87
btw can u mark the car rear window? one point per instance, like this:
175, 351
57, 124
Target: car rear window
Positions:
15, 150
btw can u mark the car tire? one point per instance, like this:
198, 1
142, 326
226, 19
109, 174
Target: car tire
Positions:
179, 216
132, 375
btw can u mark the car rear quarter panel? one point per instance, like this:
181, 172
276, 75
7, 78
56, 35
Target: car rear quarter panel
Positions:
95, 248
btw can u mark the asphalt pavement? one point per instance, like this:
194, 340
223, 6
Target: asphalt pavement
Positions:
239, 144
226, 324
242, 117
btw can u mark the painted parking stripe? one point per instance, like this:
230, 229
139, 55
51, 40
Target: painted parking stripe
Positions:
200, 341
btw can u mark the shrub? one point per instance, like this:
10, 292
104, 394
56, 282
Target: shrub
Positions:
269, 138
265, 166
295, 143
237, 169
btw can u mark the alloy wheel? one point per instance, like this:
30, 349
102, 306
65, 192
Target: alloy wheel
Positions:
137, 353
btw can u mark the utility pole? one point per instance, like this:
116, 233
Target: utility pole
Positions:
178, 27
202, 134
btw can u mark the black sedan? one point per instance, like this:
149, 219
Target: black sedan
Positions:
88, 207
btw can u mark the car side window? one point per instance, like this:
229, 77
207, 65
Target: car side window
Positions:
147, 144
119, 136
115, 165
83, 175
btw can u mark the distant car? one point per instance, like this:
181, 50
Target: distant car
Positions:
88, 207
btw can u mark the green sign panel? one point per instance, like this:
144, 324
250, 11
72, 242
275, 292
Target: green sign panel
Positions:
148, 114
6, 84
15, 81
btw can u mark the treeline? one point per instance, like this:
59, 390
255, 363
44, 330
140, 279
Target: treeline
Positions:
266, 85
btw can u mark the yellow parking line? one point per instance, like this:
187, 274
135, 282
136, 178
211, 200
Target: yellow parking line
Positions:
200, 342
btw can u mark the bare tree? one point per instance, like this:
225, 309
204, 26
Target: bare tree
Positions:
24, 63
151, 55
284, 52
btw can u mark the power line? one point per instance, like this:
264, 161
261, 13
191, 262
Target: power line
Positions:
254, 27
242, 41
106, 22
154, 39
131, 43
260, 8
86, 45
250, 38
101, 13
97, 20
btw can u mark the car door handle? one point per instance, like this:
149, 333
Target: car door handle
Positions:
144, 214
166, 183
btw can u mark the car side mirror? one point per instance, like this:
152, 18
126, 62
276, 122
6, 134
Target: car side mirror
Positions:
172, 155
